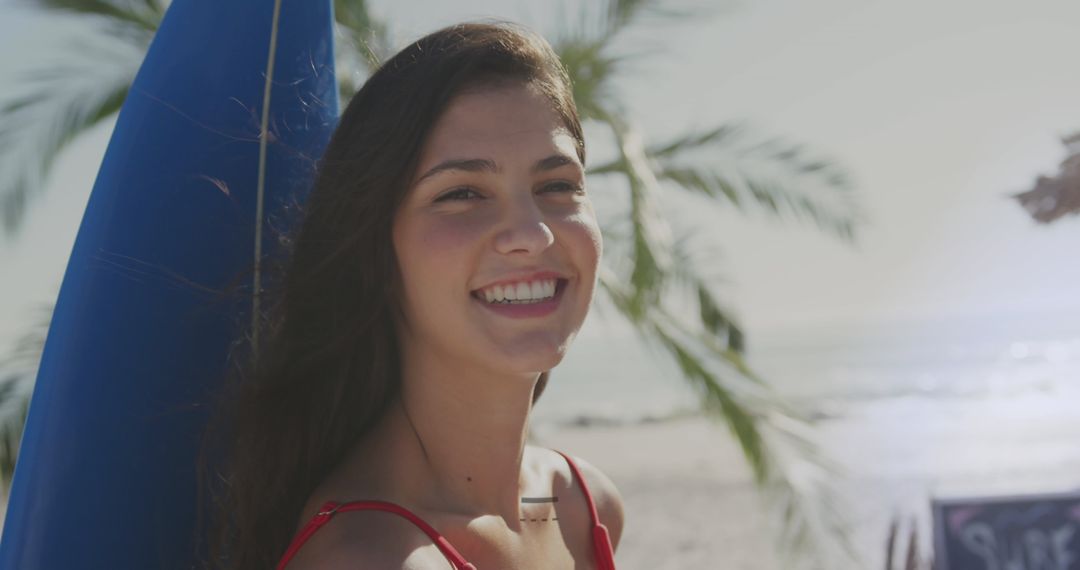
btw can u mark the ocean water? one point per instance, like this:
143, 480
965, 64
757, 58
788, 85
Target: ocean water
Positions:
949, 408
613, 376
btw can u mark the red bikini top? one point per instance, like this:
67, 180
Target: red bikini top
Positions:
604, 553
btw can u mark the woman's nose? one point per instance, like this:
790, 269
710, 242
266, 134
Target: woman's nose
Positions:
524, 229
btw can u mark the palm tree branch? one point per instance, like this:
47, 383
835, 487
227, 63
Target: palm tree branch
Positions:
741, 422
53, 107
19, 368
143, 14
585, 43
652, 241
591, 70
783, 182
776, 176
11, 429
718, 325
764, 427
622, 14
717, 136
711, 184
365, 36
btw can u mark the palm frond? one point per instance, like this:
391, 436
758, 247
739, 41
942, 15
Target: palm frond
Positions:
54, 105
11, 430
781, 176
18, 369
368, 35
716, 321
798, 480
622, 14
711, 184
715, 137
591, 71
778, 176
719, 400
652, 237
830, 212
657, 325
585, 43
143, 14
363, 42
803, 494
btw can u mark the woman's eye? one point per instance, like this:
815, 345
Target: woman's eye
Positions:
457, 194
561, 187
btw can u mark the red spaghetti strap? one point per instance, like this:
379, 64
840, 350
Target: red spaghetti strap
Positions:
330, 508
584, 487
605, 553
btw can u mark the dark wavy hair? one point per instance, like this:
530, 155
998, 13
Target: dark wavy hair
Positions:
328, 363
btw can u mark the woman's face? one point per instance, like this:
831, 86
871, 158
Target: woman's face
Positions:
496, 240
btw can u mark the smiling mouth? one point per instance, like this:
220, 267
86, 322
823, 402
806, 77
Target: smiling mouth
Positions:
560, 285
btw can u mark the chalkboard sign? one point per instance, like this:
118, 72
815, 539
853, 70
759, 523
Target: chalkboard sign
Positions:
1036, 532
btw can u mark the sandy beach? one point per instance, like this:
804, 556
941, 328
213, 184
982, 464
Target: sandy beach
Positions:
689, 498
690, 501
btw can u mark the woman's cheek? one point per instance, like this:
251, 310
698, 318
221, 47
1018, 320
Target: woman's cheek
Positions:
584, 224
453, 233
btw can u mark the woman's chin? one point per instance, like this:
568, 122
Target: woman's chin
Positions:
535, 365
532, 362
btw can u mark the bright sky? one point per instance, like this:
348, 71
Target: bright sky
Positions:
938, 109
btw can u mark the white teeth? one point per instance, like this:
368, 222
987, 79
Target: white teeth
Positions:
530, 292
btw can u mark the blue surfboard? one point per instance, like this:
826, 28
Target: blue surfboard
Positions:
190, 184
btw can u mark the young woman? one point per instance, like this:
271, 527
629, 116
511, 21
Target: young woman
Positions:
446, 260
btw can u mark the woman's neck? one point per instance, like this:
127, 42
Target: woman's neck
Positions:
458, 439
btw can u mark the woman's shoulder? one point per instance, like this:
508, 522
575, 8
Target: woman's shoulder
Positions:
364, 538
368, 539
606, 496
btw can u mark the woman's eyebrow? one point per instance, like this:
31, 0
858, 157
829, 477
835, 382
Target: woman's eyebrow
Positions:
552, 162
485, 165
463, 164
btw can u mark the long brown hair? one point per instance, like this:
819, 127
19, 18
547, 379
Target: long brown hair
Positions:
328, 362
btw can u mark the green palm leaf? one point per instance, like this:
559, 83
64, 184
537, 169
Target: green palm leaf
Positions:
717, 398
586, 44
19, 368
363, 42
775, 175
591, 70
52, 106
652, 238
716, 137
796, 475
142, 14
